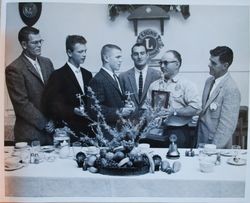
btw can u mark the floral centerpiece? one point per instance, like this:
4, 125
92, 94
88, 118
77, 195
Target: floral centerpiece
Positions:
120, 155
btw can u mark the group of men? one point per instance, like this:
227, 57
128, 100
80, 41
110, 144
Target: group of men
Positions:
44, 98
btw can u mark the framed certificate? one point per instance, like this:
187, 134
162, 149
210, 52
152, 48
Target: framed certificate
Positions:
160, 98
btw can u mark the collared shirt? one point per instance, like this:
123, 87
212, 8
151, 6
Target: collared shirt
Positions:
36, 66
183, 93
217, 82
137, 75
78, 74
111, 73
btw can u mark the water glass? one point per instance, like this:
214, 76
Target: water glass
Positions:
201, 147
236, 149
35, 146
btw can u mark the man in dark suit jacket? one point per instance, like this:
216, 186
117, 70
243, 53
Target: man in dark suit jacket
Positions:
107, 87
130, 80
60, 96
25, 79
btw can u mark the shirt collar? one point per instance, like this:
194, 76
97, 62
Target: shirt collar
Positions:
31, 60
175, 78
144, 70
218, 80
109, 72
73, 68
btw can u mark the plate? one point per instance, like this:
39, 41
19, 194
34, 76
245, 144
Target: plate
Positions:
14, 168
48, 148
227, 153
240, 162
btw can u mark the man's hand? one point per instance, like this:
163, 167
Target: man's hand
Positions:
127, 111
79, 112
50, 127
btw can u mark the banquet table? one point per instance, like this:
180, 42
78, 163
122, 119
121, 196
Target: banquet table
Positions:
62, 178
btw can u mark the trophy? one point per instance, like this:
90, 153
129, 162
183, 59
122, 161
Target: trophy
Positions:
128, 102
173, 152
80, 110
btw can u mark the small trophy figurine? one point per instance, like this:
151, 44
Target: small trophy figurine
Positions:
129, 103
173, 152
80, 110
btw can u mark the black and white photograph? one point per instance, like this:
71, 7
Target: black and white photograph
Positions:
125, 101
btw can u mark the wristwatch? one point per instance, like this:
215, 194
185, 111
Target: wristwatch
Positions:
175, 113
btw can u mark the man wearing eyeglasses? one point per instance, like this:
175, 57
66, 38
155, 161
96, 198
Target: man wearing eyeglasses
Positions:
138, 79
25, 79
184, 101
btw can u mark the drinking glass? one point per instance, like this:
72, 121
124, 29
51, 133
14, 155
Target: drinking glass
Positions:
236, 149
35, 146
201, 147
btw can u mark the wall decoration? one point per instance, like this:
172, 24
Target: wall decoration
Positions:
152, 40
30, 12
116, 9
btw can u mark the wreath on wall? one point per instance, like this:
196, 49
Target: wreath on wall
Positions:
116, 9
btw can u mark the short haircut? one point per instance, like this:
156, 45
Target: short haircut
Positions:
139, 45
106, 48
71, 40
225, 54
177, 55
24, 33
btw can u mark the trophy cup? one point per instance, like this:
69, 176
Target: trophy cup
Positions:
80, 110
128, 102
173, 152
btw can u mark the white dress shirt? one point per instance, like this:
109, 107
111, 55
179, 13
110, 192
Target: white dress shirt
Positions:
78, 74
137, 75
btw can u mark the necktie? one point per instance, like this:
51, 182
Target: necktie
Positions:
140, 85
210, 88
38, 70
117, 81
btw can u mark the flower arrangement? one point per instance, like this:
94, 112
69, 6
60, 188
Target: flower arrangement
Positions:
129, 132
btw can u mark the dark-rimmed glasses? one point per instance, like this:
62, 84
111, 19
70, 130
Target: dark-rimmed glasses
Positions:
165, 63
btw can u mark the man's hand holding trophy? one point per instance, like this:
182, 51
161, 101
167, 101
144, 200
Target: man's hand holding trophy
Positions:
129, 106
80, 111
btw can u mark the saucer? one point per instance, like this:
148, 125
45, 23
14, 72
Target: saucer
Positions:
240, 162
227, 153
20, 165
48, 148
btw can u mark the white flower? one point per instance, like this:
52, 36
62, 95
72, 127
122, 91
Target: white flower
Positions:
213, 106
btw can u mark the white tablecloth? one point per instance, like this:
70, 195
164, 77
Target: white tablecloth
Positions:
62, 178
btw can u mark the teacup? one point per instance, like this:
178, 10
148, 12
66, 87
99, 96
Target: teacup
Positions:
12, 162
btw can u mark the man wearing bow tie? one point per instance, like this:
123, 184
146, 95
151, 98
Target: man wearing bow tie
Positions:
107, 88
220, 101
66, 85
25, 79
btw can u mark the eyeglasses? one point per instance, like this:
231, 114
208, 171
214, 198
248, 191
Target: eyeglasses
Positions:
165, 63
37, 42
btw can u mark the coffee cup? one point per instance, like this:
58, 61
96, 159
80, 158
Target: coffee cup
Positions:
12, 162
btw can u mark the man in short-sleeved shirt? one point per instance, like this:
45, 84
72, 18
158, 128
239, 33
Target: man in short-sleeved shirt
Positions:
184, 101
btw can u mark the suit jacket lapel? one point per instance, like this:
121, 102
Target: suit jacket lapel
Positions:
147, 83
72, 78
214, 93
32, 69
131, 77
110, 79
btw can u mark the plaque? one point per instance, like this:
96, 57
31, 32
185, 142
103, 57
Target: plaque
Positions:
160, 98
30, 12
